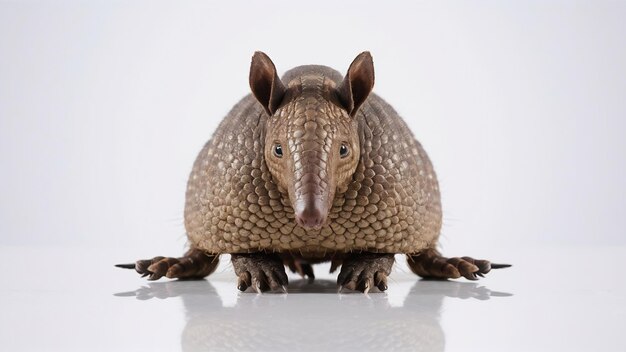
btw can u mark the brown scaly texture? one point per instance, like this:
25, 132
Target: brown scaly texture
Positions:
312, 168
390, 205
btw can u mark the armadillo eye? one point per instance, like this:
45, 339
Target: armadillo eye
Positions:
343, 150
278, 150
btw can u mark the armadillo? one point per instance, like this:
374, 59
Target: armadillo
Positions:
312, 167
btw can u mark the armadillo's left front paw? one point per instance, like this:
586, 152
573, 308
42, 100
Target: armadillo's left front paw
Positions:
260, 271
363, 271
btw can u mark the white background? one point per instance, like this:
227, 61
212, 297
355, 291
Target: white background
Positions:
104, 105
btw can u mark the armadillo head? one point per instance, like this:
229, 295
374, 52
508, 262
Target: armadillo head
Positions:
311, 139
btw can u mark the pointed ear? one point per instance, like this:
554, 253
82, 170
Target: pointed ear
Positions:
358, 83
264, 82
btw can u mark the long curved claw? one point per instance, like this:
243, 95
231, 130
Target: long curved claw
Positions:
195, 264
431, 264
263, 272
364, 271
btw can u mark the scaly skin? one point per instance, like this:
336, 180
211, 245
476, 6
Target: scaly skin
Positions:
390, 205
312, 168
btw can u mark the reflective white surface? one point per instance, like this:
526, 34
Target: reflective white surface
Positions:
74, 299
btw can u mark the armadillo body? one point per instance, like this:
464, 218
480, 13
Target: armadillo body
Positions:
309, 168
391, 203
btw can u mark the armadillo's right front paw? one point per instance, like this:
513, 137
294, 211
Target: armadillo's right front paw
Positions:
260, 271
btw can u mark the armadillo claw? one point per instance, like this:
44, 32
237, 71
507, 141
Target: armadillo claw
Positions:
195, 264
364, 271
431, 264
263, 272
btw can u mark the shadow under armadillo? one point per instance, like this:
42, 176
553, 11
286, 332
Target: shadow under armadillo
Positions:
286, 322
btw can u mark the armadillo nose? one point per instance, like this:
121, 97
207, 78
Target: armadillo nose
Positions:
310, 216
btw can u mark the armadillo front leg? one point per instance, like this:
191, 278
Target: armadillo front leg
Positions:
431, 264
363, 271
261, 271
195, 264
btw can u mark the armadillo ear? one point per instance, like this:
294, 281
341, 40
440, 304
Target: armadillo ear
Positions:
358, 83
264, 82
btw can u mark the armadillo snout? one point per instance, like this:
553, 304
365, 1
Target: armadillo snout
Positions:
311, 215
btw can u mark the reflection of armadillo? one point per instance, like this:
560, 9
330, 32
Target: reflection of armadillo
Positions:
307, 169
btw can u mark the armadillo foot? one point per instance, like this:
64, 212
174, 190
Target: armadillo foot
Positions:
364, 271
195, 264
299, 266
261, 271
432, 265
